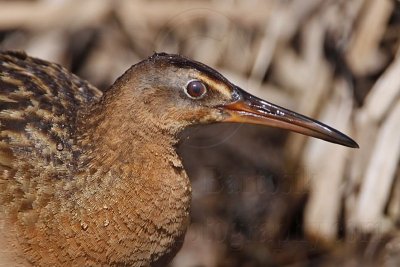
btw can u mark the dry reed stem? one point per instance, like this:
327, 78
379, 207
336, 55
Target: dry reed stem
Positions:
384, 93
42, 15
326, 163
364, 55
380, 173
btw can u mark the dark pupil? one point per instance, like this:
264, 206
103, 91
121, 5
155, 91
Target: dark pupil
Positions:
196, 89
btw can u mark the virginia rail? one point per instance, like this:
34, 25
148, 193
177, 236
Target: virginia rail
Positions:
88, 178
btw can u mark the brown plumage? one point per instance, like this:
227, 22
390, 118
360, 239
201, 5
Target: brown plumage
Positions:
92, 179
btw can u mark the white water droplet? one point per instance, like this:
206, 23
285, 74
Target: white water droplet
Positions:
60, 146
84, 226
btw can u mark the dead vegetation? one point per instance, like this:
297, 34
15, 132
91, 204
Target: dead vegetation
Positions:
261, 197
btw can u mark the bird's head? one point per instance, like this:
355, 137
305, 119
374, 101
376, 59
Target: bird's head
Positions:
179, 92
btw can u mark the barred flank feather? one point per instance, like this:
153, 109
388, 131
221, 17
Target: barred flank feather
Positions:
39, 103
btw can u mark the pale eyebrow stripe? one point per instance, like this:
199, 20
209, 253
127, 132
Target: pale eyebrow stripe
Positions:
219, 86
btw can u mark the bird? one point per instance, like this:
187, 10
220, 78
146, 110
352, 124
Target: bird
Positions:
92, 178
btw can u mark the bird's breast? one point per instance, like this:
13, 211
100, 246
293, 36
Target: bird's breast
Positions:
134, 216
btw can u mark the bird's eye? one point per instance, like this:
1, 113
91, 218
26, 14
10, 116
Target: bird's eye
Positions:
195, 89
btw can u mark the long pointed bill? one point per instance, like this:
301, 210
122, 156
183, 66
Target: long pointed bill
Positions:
250, 109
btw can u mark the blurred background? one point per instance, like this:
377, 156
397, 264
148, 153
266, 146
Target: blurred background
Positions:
261, 196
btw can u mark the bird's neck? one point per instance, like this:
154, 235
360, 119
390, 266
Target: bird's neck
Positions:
132, 149
131, 146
